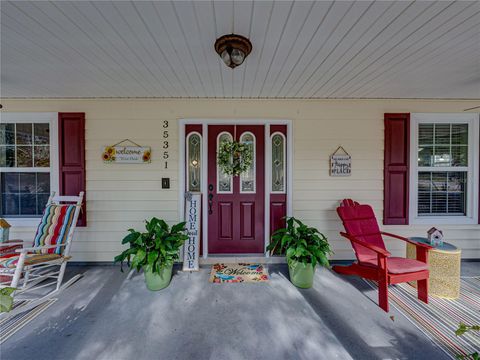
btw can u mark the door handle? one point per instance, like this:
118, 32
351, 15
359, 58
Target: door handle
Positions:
210, 200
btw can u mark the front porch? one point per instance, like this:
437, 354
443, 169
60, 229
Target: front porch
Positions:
106, 316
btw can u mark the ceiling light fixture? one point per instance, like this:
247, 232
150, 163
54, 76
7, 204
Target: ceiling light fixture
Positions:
233, 49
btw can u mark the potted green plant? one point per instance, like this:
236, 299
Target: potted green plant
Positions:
154, 250
304, 247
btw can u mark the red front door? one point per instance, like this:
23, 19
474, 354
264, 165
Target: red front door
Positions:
236, 203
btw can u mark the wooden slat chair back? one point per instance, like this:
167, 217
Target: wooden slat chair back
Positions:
360, 222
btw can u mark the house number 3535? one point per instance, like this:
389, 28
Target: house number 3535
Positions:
165, 134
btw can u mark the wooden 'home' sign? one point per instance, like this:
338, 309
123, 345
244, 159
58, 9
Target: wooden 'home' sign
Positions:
191, 248
340, 164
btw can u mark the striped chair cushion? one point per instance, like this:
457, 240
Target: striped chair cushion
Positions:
10, 261
54, 227
9, 249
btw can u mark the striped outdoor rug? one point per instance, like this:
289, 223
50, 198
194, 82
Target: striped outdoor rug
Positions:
10, 326
440, 318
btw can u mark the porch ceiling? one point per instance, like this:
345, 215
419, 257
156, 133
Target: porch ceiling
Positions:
301, 49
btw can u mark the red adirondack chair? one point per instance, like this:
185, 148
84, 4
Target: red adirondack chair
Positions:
374, 261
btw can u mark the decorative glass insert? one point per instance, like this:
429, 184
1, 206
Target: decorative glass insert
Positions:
24, 145
247, 178
25, 177
278, 163
194, 161
224, 181
442, 169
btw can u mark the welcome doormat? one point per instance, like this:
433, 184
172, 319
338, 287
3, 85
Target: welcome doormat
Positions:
237, 273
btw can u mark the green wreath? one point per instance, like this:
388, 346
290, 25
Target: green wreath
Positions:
234, 158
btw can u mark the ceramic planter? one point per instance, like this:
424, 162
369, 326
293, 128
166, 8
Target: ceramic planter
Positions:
301, 275
157, 281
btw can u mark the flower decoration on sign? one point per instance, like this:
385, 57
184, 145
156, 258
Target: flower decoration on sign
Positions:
109, 154
146, 156
234, 158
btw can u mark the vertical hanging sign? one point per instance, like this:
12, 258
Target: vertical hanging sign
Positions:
340, 164
191, 249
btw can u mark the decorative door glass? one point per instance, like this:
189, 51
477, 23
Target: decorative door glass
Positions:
224, 181
278, 163
247, 178
194, 161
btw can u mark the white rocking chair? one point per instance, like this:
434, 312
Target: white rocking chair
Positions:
31, 267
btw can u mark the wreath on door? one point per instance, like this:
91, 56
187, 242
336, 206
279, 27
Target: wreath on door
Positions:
234, 158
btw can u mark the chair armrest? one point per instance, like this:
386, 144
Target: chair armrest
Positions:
377, 249
12, 243
406, 240
36, 248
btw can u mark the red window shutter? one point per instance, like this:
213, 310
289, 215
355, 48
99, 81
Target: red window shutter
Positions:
396, 172
71, 143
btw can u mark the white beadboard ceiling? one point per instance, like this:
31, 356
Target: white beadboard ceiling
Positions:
301, 49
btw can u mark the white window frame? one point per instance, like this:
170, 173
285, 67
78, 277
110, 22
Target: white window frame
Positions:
284, 162
52, 120
472, 168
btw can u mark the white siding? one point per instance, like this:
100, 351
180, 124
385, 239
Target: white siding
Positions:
122, 196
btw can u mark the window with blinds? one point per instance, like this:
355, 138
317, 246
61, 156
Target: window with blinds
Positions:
443, 168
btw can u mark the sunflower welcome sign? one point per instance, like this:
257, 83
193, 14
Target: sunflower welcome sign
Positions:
135, 154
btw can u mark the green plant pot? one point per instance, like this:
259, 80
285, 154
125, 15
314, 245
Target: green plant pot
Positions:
301, 275
157, 281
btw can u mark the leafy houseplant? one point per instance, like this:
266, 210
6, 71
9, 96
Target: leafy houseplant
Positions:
6, 299
462, 329
305, 248
154, 250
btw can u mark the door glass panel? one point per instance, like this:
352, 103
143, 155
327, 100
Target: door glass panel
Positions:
194, 162
247, 179
278, 163
224, 181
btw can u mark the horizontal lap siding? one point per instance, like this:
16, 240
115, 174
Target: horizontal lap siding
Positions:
122, 196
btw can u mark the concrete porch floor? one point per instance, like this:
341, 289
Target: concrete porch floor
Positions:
105, 316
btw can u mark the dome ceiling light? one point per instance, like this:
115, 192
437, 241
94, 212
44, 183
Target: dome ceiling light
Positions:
233, 49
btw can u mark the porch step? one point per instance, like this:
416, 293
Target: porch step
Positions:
235, 259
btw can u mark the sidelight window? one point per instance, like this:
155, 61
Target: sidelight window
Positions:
194, 161
278, 163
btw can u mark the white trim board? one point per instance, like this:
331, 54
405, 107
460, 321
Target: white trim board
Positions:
182, 169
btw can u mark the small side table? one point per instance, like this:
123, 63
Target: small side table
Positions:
444, 265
